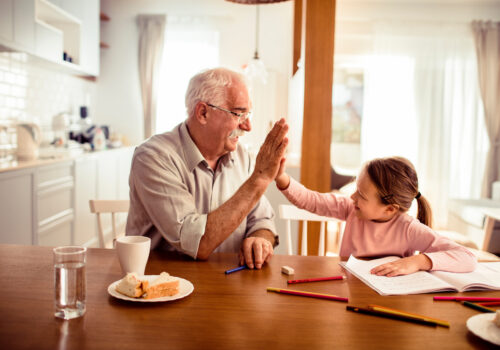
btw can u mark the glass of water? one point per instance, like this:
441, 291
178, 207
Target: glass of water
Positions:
70, 281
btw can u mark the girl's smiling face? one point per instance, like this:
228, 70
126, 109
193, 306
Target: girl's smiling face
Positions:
367, 202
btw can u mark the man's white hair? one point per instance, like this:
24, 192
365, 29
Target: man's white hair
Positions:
210, 86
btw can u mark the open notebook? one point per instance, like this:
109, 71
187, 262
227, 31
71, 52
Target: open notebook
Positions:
485, 276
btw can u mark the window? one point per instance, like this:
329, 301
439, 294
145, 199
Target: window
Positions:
186, 52
347, 112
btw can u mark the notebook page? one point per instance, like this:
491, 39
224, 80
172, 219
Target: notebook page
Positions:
485, 276
415, 283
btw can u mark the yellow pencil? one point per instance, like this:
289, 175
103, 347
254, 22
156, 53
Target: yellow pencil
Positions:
409, 314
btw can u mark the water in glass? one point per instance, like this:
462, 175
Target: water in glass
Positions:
70, 289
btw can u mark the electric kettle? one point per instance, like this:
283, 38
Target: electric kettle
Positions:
29, 136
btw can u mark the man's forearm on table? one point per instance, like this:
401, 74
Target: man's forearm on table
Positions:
225, 219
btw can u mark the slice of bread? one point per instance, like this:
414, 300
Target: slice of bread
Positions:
497, 318
131, 286
164, 285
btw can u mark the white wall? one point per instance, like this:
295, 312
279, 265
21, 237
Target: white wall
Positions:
354, 18
118, 98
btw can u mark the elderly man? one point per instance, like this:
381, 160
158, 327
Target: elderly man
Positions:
195, 189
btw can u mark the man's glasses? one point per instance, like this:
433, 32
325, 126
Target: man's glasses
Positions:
242, 117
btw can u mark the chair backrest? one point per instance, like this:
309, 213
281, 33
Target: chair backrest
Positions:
112, 207
291, 212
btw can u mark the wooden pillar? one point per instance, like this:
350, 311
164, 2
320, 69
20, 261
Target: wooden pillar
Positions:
317, 124
297, 33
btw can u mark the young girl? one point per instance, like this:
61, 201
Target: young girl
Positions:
377, 223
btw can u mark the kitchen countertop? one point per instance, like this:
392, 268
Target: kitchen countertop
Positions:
19, 164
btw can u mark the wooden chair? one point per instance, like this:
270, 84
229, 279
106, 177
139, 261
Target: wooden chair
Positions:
112, 207
291, 212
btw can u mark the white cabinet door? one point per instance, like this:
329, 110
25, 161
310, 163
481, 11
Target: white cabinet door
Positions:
89, 49
6, 20
88, 12
85, 190
55, 208
16, 207
24, 24
107, 168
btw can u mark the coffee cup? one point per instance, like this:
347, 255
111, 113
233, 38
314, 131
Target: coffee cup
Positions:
133, 253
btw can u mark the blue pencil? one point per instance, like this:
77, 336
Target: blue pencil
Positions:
239, 268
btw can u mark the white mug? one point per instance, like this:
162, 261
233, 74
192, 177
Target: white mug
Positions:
133, 253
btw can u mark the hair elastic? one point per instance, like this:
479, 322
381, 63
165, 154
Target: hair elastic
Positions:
418, 195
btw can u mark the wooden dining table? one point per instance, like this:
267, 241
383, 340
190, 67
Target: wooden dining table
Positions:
233, 311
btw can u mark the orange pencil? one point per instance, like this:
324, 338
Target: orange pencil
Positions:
409, 314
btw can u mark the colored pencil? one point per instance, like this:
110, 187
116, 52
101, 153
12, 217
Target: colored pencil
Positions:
319, 279
490, 303
466, 298
307, 294
477, 307
389, 315
409, 314
239, 268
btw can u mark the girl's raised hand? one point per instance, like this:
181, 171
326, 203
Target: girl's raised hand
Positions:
282, 179
403, 266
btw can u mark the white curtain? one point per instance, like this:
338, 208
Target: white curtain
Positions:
422, 102
151, 38
487, 40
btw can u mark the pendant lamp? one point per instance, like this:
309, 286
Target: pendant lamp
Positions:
255, 69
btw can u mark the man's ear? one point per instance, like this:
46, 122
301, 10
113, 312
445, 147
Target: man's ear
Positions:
200, 112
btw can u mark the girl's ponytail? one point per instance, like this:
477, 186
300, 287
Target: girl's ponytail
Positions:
424, 212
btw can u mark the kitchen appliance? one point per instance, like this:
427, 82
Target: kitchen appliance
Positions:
8, 143
29, 136
60, 125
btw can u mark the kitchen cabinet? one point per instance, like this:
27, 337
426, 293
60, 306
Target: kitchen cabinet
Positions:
88, 12
85, 190
17, 25
16, 207
54, 203
24, 25
7, 20
48, 204
101, 175
47, 28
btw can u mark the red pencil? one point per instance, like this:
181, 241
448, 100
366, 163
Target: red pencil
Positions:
474, 299
317, 279
307, 294
490, 303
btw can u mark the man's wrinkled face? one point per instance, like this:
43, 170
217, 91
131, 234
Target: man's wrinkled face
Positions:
226, 127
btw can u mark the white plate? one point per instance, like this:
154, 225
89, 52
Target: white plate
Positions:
483, 326
185, 288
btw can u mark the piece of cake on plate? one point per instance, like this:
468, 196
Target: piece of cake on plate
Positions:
131, 286
164, 285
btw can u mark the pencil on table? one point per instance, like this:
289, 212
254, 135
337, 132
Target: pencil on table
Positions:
477, 307
490, 303
307, 294
239, 268
319, 279
390, 315
474, 299
439, 322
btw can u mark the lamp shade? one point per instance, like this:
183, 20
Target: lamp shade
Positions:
255, 2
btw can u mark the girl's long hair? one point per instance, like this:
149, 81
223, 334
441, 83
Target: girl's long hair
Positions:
397, 183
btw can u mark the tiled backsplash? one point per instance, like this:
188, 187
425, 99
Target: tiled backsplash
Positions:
32, 93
